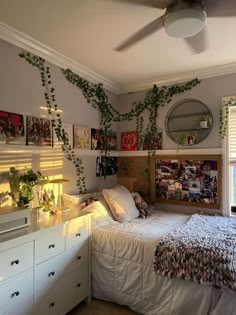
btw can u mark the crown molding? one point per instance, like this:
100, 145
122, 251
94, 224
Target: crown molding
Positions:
206, 73
26, 42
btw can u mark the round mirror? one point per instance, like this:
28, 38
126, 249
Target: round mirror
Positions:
188, 122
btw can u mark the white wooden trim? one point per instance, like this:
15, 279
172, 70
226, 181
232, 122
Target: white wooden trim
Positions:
182, 77
26, 42
225, 178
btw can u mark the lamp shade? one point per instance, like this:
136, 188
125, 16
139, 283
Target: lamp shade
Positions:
185, 22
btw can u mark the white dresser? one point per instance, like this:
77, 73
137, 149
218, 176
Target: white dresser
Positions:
45, 268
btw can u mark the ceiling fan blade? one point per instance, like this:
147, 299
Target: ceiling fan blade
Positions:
219, 8
141, 34
159, 4
198, 43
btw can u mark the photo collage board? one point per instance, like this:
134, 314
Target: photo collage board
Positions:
194, 180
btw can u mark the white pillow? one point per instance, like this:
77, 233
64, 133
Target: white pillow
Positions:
101, 213
73, 201
121, 203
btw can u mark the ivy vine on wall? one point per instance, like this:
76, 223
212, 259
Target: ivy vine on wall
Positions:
224, 114
95, 95
62, 136
154, 99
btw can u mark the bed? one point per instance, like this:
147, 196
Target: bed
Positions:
122, 268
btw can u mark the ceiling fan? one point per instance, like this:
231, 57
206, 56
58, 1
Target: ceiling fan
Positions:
181, 19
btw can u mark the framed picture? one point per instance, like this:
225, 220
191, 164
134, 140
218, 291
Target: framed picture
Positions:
81, 137
11, 128
68, 129
187, 180
129, 141
97, 139
106, 166
153, 141
38, 131
111, 140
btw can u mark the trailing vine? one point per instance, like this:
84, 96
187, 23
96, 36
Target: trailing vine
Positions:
224, 115
96, 96
52, 107
154, 98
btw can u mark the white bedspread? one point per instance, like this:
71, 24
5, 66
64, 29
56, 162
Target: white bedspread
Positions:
122, 271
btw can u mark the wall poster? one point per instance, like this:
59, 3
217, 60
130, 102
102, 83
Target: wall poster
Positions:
11, 128
187, 180
81, 137
38, 131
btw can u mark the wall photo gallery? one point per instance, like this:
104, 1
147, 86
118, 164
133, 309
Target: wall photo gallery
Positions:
196, 180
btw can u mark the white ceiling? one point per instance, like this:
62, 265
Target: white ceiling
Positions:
87, 31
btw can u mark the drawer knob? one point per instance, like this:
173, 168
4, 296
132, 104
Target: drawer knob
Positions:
78, 234
79, 257
15, 262
51, 274
51, 246
15, 293
51, 305
78, 285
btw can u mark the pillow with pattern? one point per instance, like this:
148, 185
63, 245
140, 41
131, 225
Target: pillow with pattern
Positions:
145, 210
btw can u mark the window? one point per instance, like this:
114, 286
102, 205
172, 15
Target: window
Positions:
232, 158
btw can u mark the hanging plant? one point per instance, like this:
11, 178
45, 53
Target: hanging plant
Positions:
224, 115
154, 98
52, 107
96, 96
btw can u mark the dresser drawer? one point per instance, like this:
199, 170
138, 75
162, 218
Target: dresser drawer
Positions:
74, 287
48, 302
49, 242
77, 231
25, 309
47, 273
16, 260
76, 257
16, 292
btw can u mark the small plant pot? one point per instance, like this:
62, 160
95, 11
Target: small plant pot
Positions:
189, 140
203, 124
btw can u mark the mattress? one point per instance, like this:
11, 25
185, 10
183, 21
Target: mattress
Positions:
122, 271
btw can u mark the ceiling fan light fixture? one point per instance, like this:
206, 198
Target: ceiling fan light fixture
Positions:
184, 23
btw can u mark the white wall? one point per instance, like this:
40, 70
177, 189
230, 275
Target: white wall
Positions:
209, 91
21, 92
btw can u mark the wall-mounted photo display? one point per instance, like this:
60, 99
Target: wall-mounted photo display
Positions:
11, 128
38, 131
153, 141
97, 139
111, 140
68, 129
81, 137
106, 166
187, 180
129, 141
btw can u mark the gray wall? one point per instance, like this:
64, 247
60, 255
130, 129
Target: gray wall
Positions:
209, 91
21, 92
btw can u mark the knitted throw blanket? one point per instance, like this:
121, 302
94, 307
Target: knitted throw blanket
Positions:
202, 250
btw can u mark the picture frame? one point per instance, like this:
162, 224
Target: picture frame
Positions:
38, 131
81, 137
129, 141
68, 129
187, 180
11, 128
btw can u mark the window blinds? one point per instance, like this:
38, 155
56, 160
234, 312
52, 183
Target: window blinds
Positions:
232, 134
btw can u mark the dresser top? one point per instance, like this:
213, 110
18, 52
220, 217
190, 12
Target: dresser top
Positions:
39, 222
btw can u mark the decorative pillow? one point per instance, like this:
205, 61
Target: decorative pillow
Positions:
75, 202
101, 213
145, 210
121, 203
